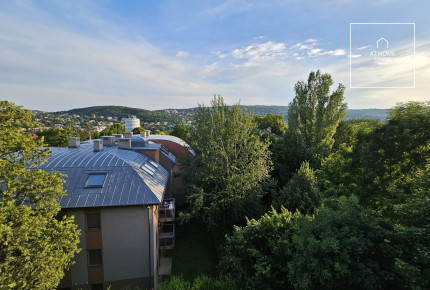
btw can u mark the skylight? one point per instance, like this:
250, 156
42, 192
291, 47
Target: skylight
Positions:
150, 167
150, 172
153, 164
96, 180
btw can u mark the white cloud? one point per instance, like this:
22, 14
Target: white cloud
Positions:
261, 51
363, 47
182, 54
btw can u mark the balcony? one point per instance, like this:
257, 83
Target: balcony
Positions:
167, 236
166, 212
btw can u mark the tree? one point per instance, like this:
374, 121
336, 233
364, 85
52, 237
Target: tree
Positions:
272, 121
387, 168
55, 137
137, 130
199, 283
314, 115
36, 245
231, 161
181, 131
257, 254
301, 193
116, 128
334, 249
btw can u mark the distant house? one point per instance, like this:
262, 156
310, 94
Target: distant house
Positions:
117, 190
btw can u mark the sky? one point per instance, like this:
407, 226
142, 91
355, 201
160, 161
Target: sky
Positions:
59, 55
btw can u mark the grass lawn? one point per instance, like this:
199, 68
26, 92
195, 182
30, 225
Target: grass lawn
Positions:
194, 253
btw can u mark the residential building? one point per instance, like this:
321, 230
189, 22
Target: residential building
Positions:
118, 191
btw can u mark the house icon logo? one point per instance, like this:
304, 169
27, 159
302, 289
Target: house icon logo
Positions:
381, 42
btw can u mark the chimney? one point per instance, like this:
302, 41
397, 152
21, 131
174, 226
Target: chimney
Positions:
74, 142
148, 133
98, 145
143, 134
124, 143
128, 135
117, 137
108, 140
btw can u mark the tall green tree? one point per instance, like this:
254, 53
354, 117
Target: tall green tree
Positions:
335, 249
231, 161
387, 167
315, 113
301, 193
257, 255
36, 246
181, 131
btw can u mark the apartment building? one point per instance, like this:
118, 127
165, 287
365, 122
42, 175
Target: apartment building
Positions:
118, 191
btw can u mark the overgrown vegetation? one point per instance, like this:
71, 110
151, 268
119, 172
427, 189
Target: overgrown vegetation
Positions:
346, 204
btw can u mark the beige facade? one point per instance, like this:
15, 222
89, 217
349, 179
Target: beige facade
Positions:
127, 240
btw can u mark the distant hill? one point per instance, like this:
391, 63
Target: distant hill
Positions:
379, 114
163, 115
123, 112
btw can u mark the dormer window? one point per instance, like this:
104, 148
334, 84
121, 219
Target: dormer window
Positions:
95, 180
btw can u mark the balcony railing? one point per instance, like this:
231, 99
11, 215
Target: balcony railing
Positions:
167, 236
166, 212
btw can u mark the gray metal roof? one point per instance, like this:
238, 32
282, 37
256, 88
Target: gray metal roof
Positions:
125, 184
172, 139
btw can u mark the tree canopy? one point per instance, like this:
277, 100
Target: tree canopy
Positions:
275, 123
116, 128
315, 113
231, 161
36, 245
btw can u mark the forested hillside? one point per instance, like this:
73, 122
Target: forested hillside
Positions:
123, 112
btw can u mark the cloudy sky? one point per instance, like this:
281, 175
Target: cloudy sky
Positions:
58, 55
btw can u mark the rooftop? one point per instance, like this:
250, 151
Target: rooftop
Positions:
111, 177
172, 139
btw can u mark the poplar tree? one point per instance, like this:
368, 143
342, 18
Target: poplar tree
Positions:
315, 113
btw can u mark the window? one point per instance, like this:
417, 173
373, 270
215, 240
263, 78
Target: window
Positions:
154, 164
94, 257
96, 180
93, 222
148, 169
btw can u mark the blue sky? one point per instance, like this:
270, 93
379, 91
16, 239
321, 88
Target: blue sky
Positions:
58, 55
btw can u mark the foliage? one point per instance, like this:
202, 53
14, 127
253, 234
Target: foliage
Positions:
334, 249
257, 255
181, 131
199, 283
387, 167
137, 130
231, 161
35, 247
288, 153
301, 193
116, 128
274, 122
54, 137
123, 112
314, 115
194, 253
